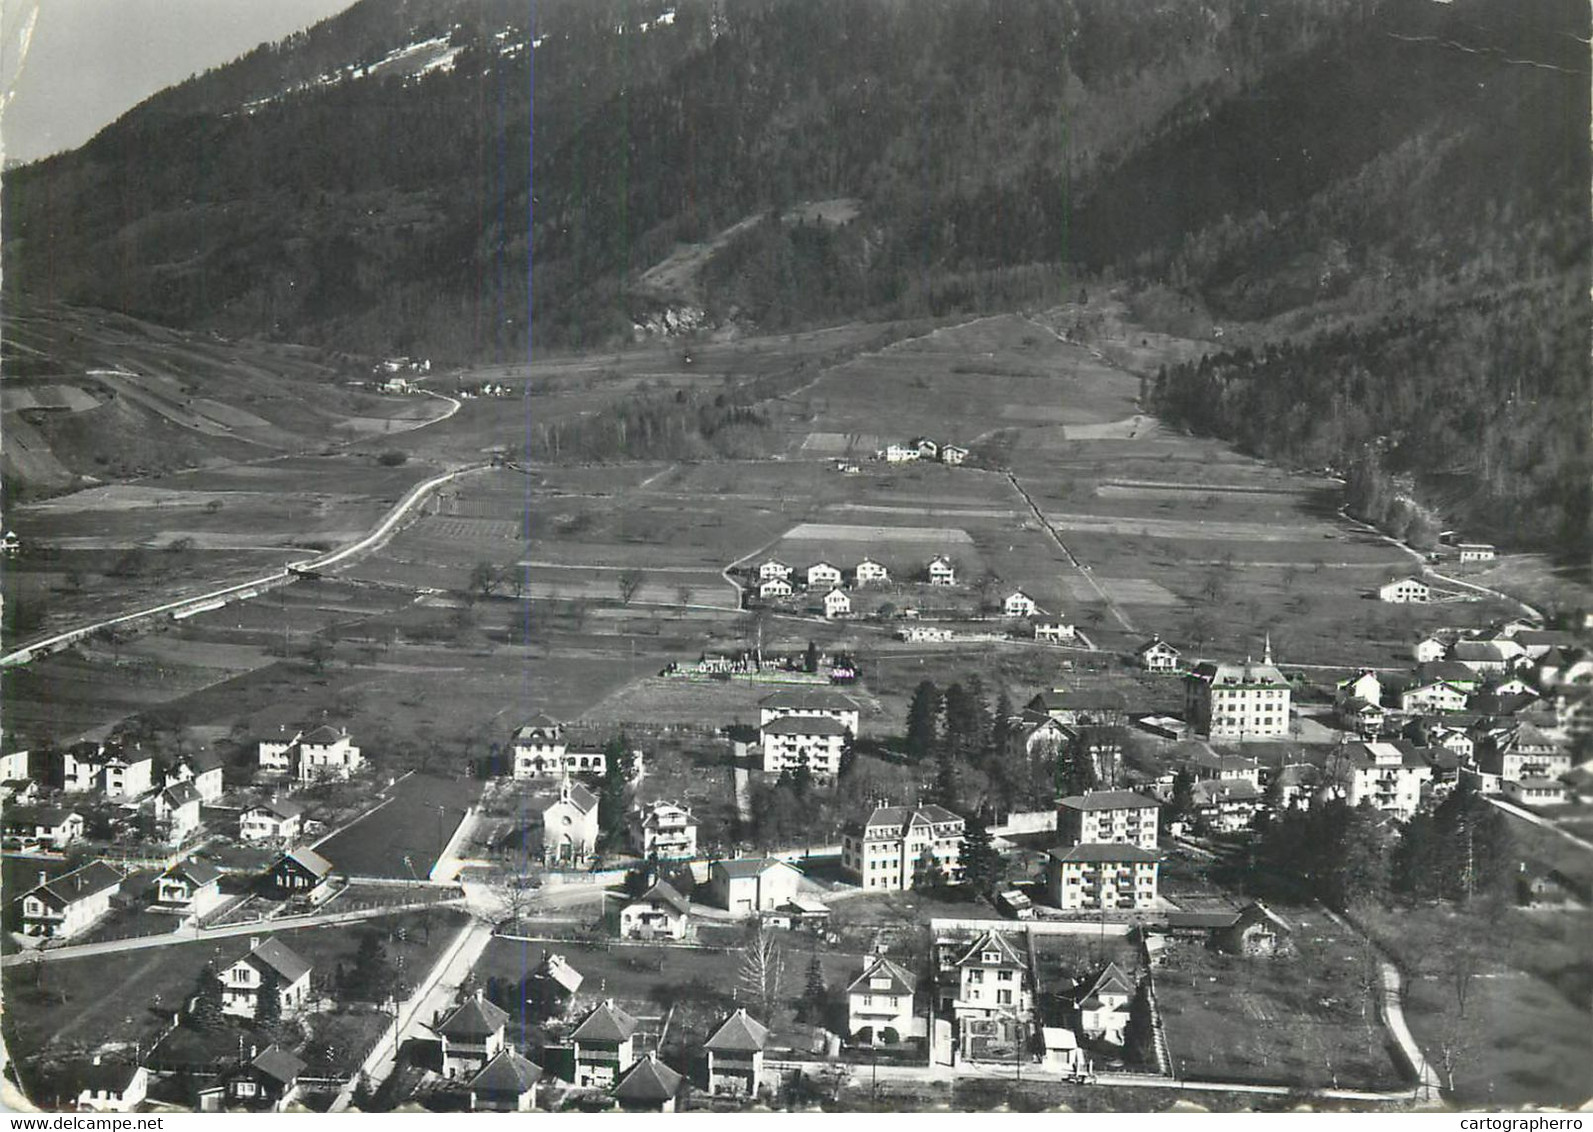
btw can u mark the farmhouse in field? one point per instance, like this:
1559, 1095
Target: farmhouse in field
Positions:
268, 962
663, 829
868, 572
1237, 701
880, 999
1019, 604
604, 1045
752, 884
900, 454
1476, 551
273, 820
837, 604
941, 572
507, 1083
659, 913
1403, 590
735, 1055
896, 847
570, 826
69, 904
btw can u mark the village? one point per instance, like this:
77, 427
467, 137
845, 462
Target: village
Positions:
932, 946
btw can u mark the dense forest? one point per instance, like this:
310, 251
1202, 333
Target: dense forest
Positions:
1388, 195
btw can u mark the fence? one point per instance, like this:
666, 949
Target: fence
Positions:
1036, 927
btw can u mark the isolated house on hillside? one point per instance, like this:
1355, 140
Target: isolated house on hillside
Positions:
941, 572
1403, 590
837, 604
953, 454
868, 572
1055, 631
1019, 604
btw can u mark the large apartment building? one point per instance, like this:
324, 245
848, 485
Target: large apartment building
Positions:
887, 851
1237, 701
1107, 817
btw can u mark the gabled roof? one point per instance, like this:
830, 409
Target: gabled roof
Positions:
974, 956
195, 872
807, 699
558, 969
1080, 701
1452, 671
904, 817
473, 1018
289, 965
655, 812
1226, 790
323, 735
805, 725
649, 1081
741, 867
903, 981
308, 860
180, 794
1256, 912
606, 1023
507, 1073
1109, 800
79, 884
541, 721
580, 797
664, 893
1155, 643
740, 1033
1098, 853
99, 1076
49, 816
280, 807
278, 1064
1112, 980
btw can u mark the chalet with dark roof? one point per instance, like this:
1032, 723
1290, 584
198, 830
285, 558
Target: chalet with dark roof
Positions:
735, 1055
268, 962
472, 1035
649, 1086
269, 1082
507, 1083
603, 1045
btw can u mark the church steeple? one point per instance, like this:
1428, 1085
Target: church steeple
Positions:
1266, 657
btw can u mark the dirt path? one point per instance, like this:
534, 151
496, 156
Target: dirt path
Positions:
1083, 571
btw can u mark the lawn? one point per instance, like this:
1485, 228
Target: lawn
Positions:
404, 835
1309, 1019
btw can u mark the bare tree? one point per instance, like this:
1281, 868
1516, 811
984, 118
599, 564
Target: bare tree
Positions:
630, 583
762, 973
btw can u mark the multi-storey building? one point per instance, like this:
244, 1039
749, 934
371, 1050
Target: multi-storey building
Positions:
881, 998
328, 752
1388, 775
1237, 701
65, 906
663, 829
987, 989
793, 741
243, 980
809, 702
894, 846
1107, 816
1101, 877
538, 750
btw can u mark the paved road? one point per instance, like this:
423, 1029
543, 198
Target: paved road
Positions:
200, 935
372, 540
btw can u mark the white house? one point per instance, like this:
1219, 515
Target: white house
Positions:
837, 604
823, 574
188, 886
538, 750
880, 999
1102, 1005
942, 572
752, 884
64, 907
1429, 649
273, 820
328, 753
1156, 655
775, 588
953, 454
50, 827
773, 568
204, 772
570, 825
1534, 791
735, 1056
927, 448
1018, 604
1364, 685
659, 913
243, 980
1476, 552
177, 813
1402, 590
987, 988
663, 829
1432, 695
900, 454
867, 572
1389, 775
1055, 632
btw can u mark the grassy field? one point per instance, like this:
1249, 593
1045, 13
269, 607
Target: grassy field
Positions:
404, 835
1309, 1019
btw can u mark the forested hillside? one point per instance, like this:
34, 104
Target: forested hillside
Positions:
1390, 195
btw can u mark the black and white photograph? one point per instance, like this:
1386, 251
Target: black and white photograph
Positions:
796, 556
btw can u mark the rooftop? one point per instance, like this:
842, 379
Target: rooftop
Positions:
1109, 800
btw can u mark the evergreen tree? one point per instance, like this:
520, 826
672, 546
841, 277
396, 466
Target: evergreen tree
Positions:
810, 659
923, 715
1001, 726
927, 871
619, 766
981, 864
205, 1012
848, 755
371, 974
1139, 1037
1181, 805
815, 992
268, 1003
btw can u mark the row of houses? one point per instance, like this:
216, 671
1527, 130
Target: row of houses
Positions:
923, 448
